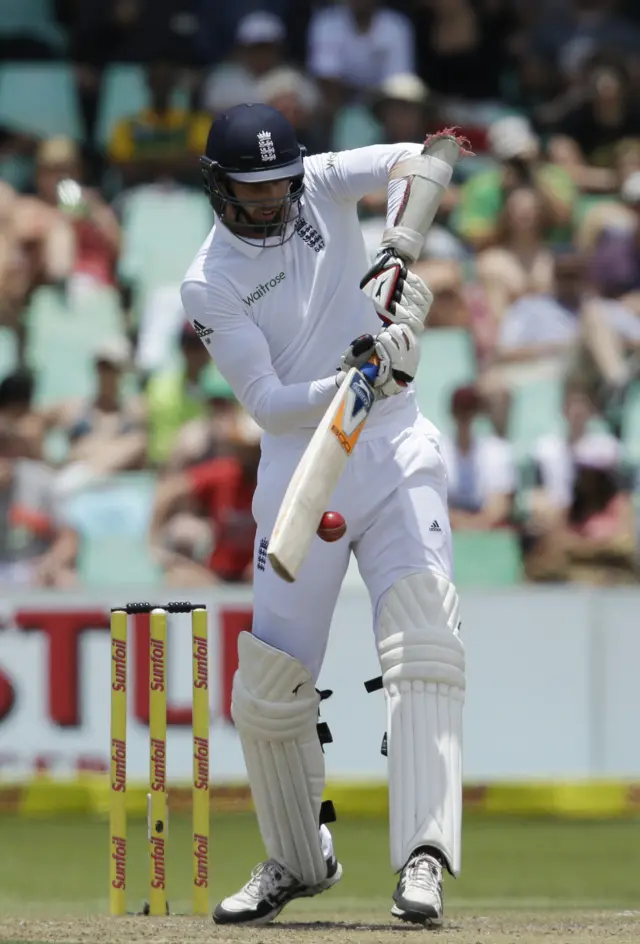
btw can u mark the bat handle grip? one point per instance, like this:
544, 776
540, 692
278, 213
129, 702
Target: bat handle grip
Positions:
370, 369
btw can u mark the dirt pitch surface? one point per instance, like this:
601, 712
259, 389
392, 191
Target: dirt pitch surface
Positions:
503, 928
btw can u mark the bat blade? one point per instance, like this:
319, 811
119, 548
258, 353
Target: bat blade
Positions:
317, 474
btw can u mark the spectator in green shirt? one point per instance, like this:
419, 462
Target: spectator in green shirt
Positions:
516, 150
175, 396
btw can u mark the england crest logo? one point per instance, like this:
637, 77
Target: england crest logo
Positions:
267, 150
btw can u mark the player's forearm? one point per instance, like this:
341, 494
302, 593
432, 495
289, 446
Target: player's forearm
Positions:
434, 172
283, 409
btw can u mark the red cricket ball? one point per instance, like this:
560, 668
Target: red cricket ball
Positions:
332, 526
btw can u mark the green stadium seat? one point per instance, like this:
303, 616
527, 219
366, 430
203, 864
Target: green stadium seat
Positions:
40, 99
486, 559
63, 335
535, 411
161, 237
16, 171
162, 234
447, 361
355, 127
8, 352
631, 423
34, 18
112, 561
123, 94
117, 507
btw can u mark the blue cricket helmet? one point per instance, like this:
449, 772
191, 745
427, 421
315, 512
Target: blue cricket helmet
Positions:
251, 144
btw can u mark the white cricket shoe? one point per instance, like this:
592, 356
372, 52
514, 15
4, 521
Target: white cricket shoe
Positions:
269, 889
418, 896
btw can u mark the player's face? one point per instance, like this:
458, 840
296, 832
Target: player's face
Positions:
262, 202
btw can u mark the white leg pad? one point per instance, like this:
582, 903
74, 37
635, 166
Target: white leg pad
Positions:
275, 709
423, 673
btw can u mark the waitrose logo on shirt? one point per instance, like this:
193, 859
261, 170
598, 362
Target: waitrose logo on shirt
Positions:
261, 290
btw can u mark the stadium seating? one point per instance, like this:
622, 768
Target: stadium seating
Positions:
8, 352
486, 559
112, 519
162, 234
161, 237
108, 562
32, 18
118, 507
40, 99
631, 423
536, 410
447, 361
73, 328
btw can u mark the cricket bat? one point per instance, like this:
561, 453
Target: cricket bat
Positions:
324, 460
319, 471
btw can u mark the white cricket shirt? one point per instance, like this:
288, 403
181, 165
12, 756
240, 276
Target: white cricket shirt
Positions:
276, 319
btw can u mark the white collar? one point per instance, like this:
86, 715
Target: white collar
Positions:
252, 250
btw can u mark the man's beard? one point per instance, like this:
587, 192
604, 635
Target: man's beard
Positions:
245, 224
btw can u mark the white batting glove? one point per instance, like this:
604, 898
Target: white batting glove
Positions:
398, 295
398, 352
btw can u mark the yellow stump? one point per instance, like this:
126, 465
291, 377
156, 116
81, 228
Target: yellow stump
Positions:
199, 638
118, 813
157, 811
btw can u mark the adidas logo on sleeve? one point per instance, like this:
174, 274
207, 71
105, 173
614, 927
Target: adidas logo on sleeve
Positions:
203, 332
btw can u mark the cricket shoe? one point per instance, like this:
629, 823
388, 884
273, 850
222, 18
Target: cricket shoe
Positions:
269, 889
418, 896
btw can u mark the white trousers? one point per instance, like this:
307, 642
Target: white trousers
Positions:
393, 498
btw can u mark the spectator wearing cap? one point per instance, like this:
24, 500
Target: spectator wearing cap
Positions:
107, 433
616, 259
258, 49
161, 142
174, 396
516, 150
297, 97
355, 46
401, 110
220, 493
480, 469
404, 111
593, 538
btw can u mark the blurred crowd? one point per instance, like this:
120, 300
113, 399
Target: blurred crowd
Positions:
534, 262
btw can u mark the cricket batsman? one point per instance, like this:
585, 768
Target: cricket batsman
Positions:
278, 292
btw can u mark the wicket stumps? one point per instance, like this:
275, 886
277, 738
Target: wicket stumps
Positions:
157, 812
